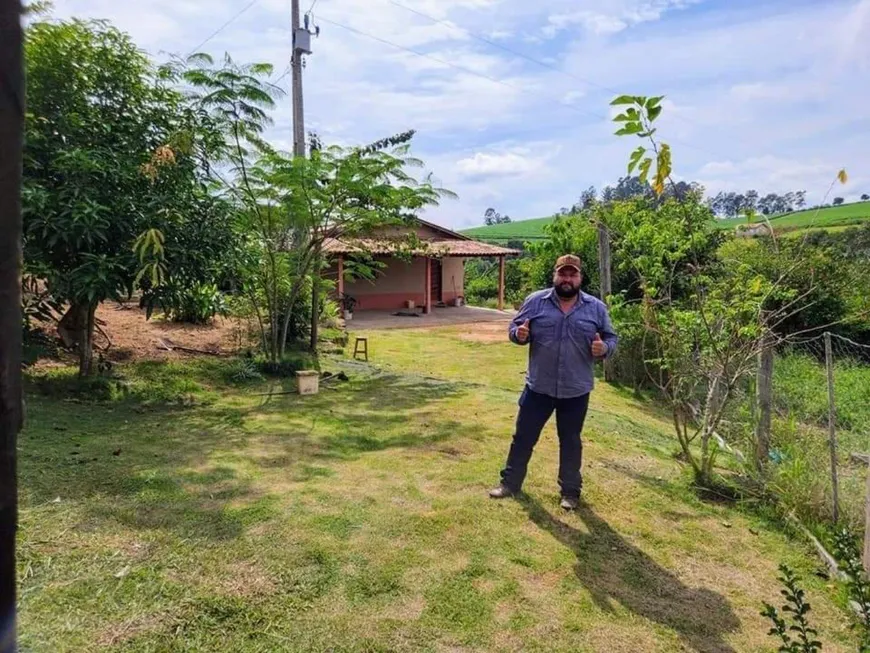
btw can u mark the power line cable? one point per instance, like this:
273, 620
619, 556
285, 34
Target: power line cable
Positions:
224, 26
469, 71
597, 117
543, 64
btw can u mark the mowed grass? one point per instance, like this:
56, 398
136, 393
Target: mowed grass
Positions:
241, 519
834, 217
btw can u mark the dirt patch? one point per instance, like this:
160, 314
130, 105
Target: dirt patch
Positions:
129, 629
129, 336
486, 332
134, 337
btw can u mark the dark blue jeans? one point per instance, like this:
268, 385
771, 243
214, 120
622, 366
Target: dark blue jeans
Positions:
535, 410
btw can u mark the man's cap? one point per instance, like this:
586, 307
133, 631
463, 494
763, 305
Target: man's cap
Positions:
568, 261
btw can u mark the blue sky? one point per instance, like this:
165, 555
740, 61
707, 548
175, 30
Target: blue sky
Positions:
765, 95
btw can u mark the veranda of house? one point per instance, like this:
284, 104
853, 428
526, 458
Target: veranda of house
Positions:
432, 274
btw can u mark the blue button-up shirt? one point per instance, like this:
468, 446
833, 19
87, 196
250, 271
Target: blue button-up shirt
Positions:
561, 364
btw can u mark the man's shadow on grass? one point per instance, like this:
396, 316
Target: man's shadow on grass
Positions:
612, 569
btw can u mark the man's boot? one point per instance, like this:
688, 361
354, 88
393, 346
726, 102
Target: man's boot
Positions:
501, 492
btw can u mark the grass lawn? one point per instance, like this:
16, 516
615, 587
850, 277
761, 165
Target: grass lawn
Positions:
238, 519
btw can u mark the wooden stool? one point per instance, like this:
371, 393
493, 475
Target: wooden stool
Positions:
364, 350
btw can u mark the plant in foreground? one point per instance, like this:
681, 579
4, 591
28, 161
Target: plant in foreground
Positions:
796, 609
847, 552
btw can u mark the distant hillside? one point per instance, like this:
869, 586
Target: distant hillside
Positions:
832, 216
524, 230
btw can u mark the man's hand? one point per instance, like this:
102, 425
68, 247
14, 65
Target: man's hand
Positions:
523, 333
599, 347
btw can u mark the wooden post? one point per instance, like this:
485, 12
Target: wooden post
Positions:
832, 430
604, 261
501, 283
340, 276
427, 304
605, 281
763, 395
11, 408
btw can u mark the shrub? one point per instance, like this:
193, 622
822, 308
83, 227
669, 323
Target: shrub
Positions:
291, 363
197, 304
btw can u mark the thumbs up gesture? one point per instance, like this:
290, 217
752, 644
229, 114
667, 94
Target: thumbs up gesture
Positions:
599, 347
523, 332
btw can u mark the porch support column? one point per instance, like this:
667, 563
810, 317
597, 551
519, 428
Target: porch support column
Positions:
340, 276
427, 293
501, 283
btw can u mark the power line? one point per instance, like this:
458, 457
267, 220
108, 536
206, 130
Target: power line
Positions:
449, 64
538, 62
597, 117
311, 8
494, 44
224, 26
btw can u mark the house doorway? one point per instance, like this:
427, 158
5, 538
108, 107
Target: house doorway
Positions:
435, 281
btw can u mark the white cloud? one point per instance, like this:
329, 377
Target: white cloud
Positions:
505, 164
571, 97
591, 21
612, 17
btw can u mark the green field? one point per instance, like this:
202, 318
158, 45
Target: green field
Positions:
830, 217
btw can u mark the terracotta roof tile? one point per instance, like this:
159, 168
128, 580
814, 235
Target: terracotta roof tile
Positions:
431, 248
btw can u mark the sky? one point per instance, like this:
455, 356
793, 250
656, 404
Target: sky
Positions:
510, 98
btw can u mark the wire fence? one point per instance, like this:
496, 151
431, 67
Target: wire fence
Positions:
820, 429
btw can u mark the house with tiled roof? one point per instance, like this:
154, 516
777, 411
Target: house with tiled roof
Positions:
429, 272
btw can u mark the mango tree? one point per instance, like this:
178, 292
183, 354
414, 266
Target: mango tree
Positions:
113, 152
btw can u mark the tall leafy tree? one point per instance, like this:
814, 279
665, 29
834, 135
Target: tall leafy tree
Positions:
97, 128
289, 207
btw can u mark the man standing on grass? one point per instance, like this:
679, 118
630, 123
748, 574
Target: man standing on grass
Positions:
567, 331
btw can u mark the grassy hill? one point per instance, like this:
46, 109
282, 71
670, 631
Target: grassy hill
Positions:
829, 217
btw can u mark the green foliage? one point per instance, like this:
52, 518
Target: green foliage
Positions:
289, 364
797, 636
94, 119
638, 121
289, 206
115, 191
244, 370
197, 304
847, 550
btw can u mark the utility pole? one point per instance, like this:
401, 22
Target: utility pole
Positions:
11, 407
301, 45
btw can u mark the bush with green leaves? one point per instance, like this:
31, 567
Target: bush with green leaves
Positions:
847, 550
113, 152
197, 304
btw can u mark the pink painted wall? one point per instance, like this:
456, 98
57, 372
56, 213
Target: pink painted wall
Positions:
452, 275
400, 281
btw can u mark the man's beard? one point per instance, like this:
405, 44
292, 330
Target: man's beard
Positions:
567, 291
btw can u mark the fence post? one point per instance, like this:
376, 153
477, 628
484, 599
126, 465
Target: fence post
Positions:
832, 431
763, 393
605, 280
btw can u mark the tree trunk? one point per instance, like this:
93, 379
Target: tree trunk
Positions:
86, 342
11, 401
315, 302
764, 404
